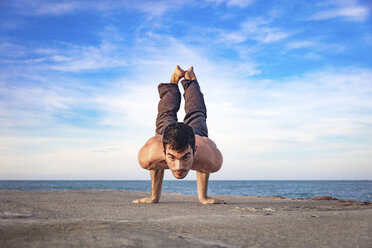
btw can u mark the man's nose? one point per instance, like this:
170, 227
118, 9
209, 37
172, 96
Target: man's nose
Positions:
178, 165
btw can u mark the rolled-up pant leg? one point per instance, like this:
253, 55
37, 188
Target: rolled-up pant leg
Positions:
195, 109
169, 104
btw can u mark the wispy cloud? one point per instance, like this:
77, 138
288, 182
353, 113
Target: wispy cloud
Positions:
89, 58
319, 112
61, 7
345, 10
258, 29
43, 7
315, 49
230, 3
309, 119
25, 106
63, 56
301, 44
156, 8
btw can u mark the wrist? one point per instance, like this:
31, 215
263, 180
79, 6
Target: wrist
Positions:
155, 198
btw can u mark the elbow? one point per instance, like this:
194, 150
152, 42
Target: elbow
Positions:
144, 163
143, 158
216, 167
217, 164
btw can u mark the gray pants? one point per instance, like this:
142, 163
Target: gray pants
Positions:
169, 104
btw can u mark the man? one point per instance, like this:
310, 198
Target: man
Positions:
180, 146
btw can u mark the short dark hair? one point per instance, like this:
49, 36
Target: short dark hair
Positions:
179, 136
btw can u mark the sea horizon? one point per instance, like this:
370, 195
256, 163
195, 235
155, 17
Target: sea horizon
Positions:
186, 180
357, 190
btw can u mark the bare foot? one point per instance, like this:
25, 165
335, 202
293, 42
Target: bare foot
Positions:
177, 75
189, 74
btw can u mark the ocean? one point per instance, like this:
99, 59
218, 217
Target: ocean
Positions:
344, 190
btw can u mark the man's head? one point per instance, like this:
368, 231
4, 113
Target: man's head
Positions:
179, 148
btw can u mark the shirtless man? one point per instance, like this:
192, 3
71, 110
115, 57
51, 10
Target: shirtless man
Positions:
180, 146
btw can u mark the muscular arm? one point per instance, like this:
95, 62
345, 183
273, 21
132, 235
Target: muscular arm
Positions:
151, 157
208, 159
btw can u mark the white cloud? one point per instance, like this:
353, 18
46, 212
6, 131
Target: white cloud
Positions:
244, 69
312, 56
70, 57
314, 49
346, 10
301, 44
238, 3
89, 58
57, 8
8, 49
23, 106
156, 8
301, 124
61, 7
263, 32
279, 129
258, 29
46, 7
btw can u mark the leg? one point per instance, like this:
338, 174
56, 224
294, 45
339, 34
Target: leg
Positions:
195, 109
169, 104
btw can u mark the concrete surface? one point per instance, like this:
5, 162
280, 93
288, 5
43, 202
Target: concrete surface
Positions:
109, 219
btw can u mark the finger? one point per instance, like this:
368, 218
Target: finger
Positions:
221, 202
136, 201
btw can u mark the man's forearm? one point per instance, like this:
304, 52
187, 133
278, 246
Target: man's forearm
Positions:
202, 181
156, 183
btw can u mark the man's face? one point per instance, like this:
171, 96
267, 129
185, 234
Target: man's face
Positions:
179, 162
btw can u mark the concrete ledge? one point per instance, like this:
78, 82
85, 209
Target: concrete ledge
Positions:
108, 218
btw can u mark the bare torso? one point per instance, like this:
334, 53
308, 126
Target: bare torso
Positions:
208, 157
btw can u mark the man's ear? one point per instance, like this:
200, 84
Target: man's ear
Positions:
195, 149
162, 148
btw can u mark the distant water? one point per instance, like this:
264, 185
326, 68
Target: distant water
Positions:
346, 190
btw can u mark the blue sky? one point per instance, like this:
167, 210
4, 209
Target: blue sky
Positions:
288, 85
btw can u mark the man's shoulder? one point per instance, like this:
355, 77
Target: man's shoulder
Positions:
154, 140
202, 139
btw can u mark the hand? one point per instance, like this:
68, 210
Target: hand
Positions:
209, 200
146, 200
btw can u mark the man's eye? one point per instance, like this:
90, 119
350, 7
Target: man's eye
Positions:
171, 158
186, 158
